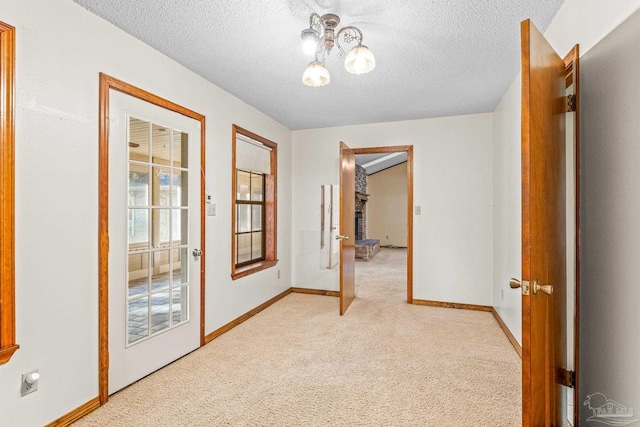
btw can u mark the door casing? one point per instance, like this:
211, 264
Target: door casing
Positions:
409, 150
108, 83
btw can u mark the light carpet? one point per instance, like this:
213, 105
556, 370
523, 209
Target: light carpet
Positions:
298, 363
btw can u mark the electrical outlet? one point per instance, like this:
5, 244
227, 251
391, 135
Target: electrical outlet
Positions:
387, 237
278, 274
211, 209
418, 210
29, 382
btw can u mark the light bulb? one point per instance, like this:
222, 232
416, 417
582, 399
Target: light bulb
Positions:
316, 75
309, 46
360, 60
309, 41
359, 65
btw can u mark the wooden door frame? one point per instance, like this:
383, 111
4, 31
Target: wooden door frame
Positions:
409, 150
8, 345
572, 67
108, 83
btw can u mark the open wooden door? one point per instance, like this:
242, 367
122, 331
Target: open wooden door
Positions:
544, 321
347, 227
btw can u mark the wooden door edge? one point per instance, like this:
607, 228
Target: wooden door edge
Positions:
572, 67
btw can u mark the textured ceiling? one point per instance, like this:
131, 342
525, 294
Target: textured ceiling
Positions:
433, 57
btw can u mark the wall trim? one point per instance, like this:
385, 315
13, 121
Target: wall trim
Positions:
76, 414
8, 344
458, 305
507, 332
226, 328
315, 292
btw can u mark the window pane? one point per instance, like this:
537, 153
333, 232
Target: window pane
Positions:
180, 149
256, 217
138, 185
163, 225
180, 267
160, 144
138, 268
160, 272
159, 312
180, 226
256, 187
179, 305
162, 188
138, 140
138, 225
137, 319
176, 225
243, 246
256, 245
179, 188
243, 182
243, 218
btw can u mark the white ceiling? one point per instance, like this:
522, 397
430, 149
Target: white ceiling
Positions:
433, 57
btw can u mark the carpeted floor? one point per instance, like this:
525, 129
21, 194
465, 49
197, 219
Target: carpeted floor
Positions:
298, 363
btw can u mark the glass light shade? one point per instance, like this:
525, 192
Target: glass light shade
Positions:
309, 41
360, 60
316, 75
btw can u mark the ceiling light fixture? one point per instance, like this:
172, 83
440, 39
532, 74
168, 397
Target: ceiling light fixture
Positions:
320, 38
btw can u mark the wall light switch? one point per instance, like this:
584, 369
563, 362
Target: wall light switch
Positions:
418, 210
211, 209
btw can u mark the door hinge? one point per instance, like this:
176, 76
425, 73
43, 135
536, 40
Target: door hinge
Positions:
566, 378
571, 103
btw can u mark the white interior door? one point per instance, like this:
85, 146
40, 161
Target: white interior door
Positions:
154, 228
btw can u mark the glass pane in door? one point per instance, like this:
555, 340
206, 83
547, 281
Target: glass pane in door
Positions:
157, 261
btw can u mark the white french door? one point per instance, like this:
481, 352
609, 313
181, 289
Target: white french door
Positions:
154, 238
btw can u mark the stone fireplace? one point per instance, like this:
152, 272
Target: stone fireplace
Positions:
361, 201
361, 216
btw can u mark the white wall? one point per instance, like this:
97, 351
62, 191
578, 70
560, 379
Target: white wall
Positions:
609, 211
507, 219
452, 183
387, 206
61, 48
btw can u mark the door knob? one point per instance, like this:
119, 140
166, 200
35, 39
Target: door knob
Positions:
537, 287
339, 237
515, 284
197, 253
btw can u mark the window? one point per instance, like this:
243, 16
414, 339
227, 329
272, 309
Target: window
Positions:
253, 241
249, 217
8, 344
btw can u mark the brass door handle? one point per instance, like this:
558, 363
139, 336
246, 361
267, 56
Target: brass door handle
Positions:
339, 237
515, 284
537, 287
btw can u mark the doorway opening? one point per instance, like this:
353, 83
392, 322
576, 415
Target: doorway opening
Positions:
383, 221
